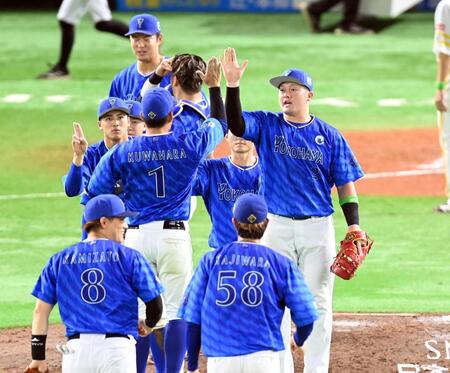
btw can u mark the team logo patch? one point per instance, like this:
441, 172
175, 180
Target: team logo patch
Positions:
112, 101
140, 21
152, 115
251, 218
319, 140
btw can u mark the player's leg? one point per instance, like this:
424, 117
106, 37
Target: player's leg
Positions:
316, 239
279, 236
102, 18
444, 140
174, 260
225, 364
69, 14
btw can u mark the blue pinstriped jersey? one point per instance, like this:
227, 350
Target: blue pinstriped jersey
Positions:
300, 163
238, 294
127, 84
220, 182
96, 285
191, 116
157, 171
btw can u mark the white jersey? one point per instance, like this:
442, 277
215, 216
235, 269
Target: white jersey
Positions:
442, 28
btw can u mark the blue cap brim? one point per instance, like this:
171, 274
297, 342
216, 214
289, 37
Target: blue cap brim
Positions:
126, 111
126, 214
140, 32
279, 80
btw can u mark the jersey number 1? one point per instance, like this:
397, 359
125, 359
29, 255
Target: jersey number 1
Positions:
160, 186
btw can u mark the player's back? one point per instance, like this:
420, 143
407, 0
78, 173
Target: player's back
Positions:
96, 287
190, 117
244, 300
157, 171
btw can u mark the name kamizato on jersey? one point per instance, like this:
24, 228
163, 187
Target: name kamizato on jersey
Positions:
297, 152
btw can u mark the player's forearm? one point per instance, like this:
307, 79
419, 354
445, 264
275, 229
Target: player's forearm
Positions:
194, 332
233, 111
216, 103
39, 329
443, 65
348, 199
73, 184
302, 333
153, 311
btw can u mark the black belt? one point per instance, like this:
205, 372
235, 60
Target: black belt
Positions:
297, 217
107, 335
168, 224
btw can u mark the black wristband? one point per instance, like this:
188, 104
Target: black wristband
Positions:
155, 79
351, 213
38, 346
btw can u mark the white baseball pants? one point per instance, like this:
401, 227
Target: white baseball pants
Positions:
311, 245
71, 11
258, 362
95, 353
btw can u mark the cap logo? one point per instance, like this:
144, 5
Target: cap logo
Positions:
251, 218
129, 106
152, 115
112, 101
158, 25
309, 80
140, 21
287, 72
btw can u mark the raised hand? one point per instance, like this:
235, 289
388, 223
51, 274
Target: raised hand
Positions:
79, 144
164, 67
231, 69
213, 75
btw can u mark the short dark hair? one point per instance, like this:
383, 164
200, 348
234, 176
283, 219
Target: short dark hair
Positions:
185, 67
252, 231
156, 123
93, 225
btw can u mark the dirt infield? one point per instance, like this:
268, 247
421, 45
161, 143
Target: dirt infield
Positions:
396, 162
368, 343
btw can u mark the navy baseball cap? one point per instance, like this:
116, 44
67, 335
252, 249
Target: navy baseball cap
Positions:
144, 24
111, 104
157, 103
135, 109
294, 76
250, 208
108, 206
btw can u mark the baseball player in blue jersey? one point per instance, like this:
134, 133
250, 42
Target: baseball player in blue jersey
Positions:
235, 301
96, 283
146, 40
302, 158
157, 171
137, 124
220, 181
113, 121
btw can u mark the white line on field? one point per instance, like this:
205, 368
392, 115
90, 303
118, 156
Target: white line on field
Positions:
17, 98
379, 175
30, 196
57, 99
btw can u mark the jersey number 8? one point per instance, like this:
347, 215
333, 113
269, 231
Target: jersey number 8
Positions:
251, 293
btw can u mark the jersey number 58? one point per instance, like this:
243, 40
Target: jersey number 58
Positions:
250, 288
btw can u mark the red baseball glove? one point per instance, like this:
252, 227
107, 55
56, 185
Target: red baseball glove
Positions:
348, 258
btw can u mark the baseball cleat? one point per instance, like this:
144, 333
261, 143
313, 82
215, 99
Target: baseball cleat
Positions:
312, 20
55, 73
354, 29
444, 208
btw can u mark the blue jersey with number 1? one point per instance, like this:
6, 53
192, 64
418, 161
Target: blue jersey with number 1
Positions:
157, 171
96, 285
300, 163
238, 294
